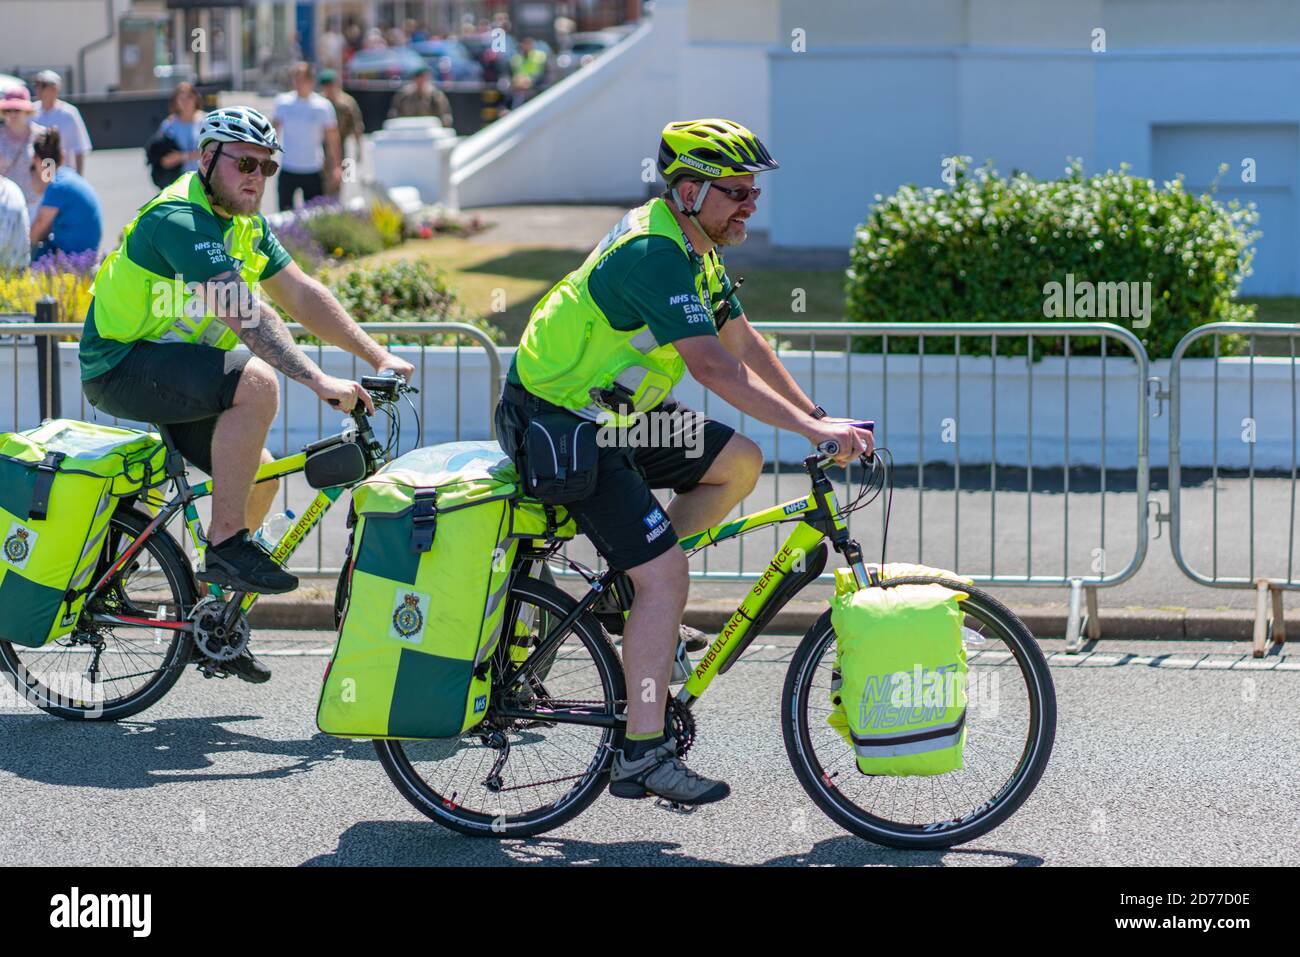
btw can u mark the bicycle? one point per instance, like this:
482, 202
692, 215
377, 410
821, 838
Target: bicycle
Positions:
556, 709
111, 667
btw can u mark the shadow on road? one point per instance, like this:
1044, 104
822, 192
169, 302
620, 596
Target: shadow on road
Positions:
128, 754
416, 844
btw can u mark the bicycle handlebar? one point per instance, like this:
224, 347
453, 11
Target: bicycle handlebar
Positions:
830, 448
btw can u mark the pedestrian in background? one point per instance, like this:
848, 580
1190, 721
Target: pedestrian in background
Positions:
15, 228
421, 98
69, 219
348, 115
184, 119
309, 132
59, 115
16, 141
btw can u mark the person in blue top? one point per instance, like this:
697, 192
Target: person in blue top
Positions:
68, 219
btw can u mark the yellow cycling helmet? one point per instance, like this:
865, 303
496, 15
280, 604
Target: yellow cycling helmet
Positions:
710, 149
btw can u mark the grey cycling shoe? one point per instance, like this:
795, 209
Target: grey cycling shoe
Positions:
694, 639
663, 774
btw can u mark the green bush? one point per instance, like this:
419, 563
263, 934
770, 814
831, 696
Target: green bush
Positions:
409, 290
986, 250
344, 235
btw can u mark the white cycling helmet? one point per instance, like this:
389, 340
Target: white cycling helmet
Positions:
238, 124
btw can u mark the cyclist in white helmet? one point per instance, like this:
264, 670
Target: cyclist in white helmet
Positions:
170, 304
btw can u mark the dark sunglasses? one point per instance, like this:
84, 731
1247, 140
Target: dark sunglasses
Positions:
247, 164
739, 193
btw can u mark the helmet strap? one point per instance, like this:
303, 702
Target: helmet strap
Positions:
203, 177
693, 211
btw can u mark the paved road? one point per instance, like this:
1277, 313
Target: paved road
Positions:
1176, 760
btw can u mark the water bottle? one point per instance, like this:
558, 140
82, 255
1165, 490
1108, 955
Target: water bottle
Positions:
273, 529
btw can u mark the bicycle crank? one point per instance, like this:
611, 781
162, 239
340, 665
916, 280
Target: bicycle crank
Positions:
216, 638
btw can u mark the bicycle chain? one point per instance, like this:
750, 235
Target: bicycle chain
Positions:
683, 725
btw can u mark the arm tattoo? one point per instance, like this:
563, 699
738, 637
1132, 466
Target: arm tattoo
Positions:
268, 339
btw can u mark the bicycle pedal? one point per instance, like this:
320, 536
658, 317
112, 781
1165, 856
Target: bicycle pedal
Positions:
675, 807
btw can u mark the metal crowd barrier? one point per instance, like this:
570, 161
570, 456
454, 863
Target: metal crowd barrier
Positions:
896, 390
905, 392
1249, 419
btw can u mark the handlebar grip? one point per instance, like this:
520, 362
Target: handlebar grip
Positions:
829, 447
382, 384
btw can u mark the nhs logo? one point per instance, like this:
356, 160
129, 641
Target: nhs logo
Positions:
654, 519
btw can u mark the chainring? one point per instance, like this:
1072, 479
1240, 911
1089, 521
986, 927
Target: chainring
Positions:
682, 724
212, 640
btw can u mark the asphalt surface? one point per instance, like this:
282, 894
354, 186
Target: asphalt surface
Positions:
1165, 755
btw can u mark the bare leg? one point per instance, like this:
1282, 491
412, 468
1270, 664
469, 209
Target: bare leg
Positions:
237, 447
730, 477
650, 637
261, 496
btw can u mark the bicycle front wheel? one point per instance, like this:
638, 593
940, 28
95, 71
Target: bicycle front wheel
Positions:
525, 769
107, 672
1010, 721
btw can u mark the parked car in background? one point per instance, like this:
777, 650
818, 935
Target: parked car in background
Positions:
389, 63
449, 60
585, 47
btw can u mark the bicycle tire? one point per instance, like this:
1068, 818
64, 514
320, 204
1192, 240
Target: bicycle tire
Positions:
171, 561
446, 811
939, 834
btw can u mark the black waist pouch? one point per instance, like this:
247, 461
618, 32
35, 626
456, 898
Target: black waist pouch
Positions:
559, 458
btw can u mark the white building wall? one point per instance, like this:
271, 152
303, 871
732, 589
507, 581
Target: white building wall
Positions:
589, 137
52, 32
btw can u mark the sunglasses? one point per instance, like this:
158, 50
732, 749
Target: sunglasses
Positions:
247, 164
739, 193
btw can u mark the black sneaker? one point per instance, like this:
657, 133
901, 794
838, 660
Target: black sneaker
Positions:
247, 667
239, 564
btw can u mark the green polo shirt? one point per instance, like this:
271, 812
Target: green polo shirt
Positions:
648, 282
174, 239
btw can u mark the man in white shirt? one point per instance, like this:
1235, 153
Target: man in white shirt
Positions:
308, 129
63, 117
15, 243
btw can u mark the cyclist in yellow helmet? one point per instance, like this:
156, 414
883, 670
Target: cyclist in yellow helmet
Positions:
606, 345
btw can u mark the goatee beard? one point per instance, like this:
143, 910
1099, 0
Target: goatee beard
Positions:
239, 204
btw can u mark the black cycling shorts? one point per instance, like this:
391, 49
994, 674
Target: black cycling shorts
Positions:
623, 518
177, 385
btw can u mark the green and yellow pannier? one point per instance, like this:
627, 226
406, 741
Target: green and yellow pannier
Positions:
429, 567
898, 689
59, 484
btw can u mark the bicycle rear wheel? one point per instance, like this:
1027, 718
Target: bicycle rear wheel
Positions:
515, 776
105, 673
1010, 719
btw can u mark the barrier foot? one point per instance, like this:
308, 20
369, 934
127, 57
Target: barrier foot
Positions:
1261, 617
1093, 619
1278, 624
1074, 623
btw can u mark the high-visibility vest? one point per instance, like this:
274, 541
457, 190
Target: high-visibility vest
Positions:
569, 347
129, 298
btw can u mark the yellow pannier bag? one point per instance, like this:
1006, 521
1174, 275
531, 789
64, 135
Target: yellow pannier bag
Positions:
898, 689
59, 484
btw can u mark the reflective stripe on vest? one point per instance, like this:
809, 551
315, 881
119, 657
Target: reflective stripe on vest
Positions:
133, 303
569, 347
